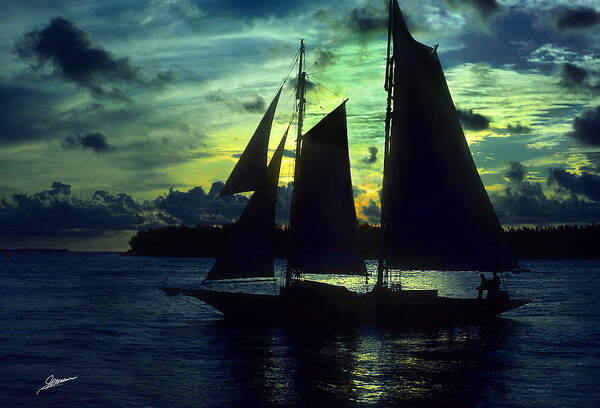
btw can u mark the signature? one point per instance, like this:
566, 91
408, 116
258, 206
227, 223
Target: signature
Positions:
54, 382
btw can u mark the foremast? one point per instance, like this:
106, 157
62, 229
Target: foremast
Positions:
301, 105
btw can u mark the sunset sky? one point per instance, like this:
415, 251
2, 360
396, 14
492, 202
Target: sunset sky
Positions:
121, 115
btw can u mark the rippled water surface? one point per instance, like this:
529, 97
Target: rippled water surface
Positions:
100, 317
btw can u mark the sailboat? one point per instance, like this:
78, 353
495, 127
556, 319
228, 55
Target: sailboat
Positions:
435, 212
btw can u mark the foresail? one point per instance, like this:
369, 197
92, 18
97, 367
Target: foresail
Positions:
250, 250
323, 220
250, 168
437, 212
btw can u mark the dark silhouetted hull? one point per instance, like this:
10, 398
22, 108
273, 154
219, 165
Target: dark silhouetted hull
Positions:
317, 303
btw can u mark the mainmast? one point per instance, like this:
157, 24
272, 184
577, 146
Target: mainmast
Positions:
389, 87
301, 101
301, 107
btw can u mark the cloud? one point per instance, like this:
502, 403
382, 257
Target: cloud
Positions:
372, 212
73, 56
524, 202
485, 10
57, 213
571, 75
586, 127
473, 121
372, 158
356, 191
586, 184
516, 171
574, 77
95, 141
367, 19
324, 58
580, 18
196, 207
518, 129
257, 105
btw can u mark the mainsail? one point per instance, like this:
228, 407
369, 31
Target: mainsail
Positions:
249, 170
250, 250
323, 220
437, 214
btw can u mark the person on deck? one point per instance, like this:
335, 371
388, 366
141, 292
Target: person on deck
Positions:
482, 286
493, 286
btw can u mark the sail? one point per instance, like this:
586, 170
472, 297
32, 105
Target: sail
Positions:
437, 212
323, 220
250, 250
250, 168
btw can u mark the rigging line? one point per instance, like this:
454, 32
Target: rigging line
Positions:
289, 70
311, 67
318, 101
323, 86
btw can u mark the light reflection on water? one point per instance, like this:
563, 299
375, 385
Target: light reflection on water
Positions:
457, 284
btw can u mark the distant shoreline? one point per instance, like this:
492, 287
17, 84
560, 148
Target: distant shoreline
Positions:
34, 250
540, 242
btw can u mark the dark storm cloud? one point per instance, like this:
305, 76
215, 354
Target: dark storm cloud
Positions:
473, 121
372, 158
518, 129
323, 58
585, 184
367, 19
516, 171
71, 53
572, 75
57, 213
485, 9
523, 202
372, 212
257, 105
95, 141
196, 207
580, 18
586, 127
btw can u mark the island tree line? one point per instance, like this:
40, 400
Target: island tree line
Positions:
203, 241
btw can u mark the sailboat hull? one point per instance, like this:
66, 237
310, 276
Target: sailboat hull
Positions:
317, 303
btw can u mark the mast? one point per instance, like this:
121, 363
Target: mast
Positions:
301, 106
389, 87
301, 100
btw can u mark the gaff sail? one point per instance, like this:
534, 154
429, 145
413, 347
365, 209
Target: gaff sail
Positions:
324, 235
249, 253
249, 170
437, 212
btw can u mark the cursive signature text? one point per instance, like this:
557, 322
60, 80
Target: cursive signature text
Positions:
54, 382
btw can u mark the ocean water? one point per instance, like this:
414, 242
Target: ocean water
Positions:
100, 317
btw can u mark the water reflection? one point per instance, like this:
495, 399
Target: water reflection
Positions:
376, 366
